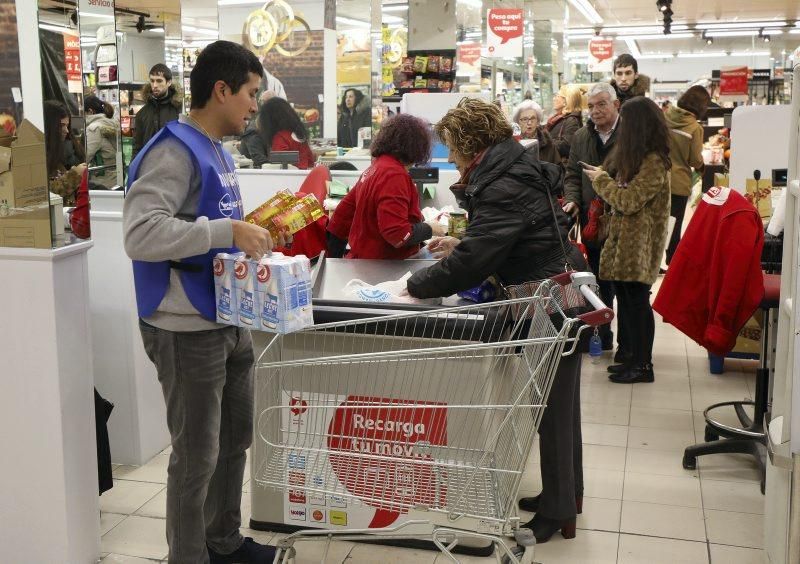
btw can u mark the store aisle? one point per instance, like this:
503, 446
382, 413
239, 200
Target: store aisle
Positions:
641, 506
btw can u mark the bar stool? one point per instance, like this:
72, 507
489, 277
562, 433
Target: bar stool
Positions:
750, 437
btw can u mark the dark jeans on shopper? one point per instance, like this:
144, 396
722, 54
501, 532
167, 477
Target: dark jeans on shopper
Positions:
560, 442
677, 210
207, 380
606, 293
636, 316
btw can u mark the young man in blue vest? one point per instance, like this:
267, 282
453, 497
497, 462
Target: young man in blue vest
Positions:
182, 207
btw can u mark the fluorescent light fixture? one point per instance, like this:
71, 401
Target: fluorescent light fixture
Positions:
793, 31
772, 32
749, 54
472, 3
742, 33
57, 28
648, 37
159, 30
587, 10
395, 8
584, 36
239, 2
82, 13
633, 48
656, 56
701, 55
199, 30
389, 19
353, 22
739, 25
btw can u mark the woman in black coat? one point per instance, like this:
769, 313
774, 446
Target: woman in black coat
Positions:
353, 115
513, 235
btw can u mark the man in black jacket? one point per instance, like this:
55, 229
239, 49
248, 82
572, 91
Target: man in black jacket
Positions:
627, 81
162, 105
591, 145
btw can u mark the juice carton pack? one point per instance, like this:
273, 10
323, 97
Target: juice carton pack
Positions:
283, 288
225, 289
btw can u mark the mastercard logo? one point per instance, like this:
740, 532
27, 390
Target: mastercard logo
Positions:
240, 269
219, 267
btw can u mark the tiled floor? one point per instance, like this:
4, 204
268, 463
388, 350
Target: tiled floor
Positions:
641, 507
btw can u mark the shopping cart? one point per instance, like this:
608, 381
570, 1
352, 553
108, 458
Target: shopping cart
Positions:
416, 425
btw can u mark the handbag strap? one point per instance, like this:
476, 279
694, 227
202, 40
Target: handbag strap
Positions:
567, 265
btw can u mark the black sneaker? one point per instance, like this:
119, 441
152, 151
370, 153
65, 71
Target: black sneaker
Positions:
249, 553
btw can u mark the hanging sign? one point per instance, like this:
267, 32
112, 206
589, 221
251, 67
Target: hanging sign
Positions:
601, 54
72, 62
504, 32
733, 84
468, 59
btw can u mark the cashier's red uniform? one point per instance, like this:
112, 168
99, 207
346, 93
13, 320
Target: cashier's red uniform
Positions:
285, 141
378, 214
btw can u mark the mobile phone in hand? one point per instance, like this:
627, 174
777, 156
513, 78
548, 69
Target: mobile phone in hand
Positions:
585, 165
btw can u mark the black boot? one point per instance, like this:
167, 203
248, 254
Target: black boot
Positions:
622, 357
641, 373
543, 528
532, 504
618, 368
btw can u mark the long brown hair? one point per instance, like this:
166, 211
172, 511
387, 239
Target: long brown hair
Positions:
642, 130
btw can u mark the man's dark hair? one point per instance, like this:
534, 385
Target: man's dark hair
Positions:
277, 115
222, 60
161, 70
626, 60
695, 100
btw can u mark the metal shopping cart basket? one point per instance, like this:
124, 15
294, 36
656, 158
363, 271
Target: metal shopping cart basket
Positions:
416, 425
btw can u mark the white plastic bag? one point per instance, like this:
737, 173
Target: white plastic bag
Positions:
392, 291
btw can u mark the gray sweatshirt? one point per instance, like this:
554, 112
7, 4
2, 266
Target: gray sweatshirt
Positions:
159, 224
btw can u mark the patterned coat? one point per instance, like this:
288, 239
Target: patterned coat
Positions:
638, 229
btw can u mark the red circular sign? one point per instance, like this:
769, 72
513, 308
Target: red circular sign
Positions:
601, 49
318, 516
263, 273
219, 267
240, 269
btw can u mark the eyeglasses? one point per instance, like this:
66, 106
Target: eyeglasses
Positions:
527, 119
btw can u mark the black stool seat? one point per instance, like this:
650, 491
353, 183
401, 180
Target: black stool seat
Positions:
750, 438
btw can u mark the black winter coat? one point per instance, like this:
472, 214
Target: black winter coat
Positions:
349, 124
154, 115
511, 233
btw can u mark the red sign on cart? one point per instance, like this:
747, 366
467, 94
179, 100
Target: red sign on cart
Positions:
386, 459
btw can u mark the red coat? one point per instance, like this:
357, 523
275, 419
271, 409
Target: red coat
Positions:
715, 282
283, 141
377, 215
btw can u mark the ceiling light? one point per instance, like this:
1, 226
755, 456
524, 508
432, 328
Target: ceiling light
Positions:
585, 7
701, 55
633, 48
658, 36
353, 22
741, 33
793, 31
84, 13
395, 8
709, 40
389, 19
239, 2
663, 5
739, 25
749, 54
656, 56
158, 30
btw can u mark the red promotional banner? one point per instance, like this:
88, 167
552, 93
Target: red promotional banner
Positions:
733, 83
72, 57
504, 34
381, 461
469, 53
601, 52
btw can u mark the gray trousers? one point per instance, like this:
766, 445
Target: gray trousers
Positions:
207, 380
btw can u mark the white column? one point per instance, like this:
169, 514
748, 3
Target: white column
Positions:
30, 66
49, 491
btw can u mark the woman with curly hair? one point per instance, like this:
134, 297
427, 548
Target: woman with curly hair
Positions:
635, 183
516, 230
380, 216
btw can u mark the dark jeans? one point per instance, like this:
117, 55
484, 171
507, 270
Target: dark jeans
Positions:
606, 292
560, 442
207, 380
677, 210
636, 316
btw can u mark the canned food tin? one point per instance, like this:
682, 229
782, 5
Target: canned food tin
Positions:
457, 225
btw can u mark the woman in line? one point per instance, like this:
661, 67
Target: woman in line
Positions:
635, 181
686, 152
528, 116
281, 129
380, 216
353, 115
101, 141
566, 119
63, 173
515, 233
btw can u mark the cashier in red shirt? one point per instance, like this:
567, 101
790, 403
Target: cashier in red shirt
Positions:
380, 216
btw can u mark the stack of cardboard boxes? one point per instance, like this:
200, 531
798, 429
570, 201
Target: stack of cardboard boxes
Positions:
24, 201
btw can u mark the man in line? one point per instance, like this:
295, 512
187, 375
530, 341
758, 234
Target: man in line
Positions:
183, 206
162, 105
627, 81
591, 144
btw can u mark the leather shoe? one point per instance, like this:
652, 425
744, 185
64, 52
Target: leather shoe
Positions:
618, 368
622, 357
249, 552
532, 504
642, 373
543, 528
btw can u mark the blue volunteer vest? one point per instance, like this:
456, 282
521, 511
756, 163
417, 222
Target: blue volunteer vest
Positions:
219, 198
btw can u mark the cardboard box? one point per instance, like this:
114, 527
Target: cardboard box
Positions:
26, 227
23, 169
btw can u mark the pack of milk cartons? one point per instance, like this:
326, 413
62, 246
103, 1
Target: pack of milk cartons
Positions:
273, 294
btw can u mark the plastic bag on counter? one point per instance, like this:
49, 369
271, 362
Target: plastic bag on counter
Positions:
392, 291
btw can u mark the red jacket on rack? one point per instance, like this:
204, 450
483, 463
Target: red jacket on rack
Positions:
715, 282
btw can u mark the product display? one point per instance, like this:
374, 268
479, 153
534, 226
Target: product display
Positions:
273, 294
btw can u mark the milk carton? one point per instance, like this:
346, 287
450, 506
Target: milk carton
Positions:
245, 284
283, 288
225, 289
